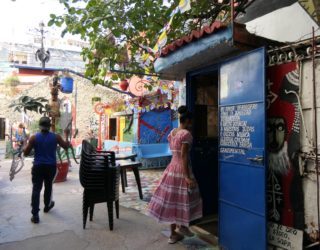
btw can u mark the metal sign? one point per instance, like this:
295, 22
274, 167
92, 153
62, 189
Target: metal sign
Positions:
242, 166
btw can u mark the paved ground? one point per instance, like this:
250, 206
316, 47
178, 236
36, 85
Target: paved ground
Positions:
62, 228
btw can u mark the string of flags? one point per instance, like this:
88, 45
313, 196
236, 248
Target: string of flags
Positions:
184, 5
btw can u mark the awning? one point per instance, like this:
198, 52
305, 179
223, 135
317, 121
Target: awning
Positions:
202, 48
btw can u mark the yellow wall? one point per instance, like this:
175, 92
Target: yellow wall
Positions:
122, 127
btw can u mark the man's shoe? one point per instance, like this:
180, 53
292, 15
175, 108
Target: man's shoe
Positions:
48, 208
35, 219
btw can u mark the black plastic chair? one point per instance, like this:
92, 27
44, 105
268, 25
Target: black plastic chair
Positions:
99, 176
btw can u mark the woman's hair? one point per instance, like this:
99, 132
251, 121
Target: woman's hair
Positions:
184, 114
21, 125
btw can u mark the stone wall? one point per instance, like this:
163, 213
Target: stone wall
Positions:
86, 91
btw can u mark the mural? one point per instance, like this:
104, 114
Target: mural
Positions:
155, 126
128, 132
286, 192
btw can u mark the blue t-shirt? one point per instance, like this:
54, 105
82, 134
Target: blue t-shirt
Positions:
45, 148
20, 137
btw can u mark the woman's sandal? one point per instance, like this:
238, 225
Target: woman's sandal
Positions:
185, 231
175, 238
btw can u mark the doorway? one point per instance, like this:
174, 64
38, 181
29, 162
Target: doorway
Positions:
112, 128
202, 92
2, 128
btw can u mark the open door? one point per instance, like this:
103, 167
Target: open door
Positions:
242, 161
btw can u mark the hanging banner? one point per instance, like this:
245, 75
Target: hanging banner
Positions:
184, 5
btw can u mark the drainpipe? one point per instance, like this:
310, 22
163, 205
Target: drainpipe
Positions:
314, 50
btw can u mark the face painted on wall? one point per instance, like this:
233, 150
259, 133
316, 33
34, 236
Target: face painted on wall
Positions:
276, 128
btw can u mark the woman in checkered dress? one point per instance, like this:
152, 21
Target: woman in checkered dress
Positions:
177, 201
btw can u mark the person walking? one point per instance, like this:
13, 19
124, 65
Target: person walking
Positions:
44, 167
176, 200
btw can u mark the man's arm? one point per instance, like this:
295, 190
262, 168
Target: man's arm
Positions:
62, 143
28, 148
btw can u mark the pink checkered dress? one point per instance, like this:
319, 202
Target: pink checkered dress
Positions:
172, 201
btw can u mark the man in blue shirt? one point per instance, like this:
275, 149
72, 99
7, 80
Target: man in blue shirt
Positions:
44, 167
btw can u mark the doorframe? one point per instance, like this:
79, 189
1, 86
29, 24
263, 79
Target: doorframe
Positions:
190, 103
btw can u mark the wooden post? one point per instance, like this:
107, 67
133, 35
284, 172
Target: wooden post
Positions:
54, 90
100, 133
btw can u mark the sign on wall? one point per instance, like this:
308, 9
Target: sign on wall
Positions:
284, 237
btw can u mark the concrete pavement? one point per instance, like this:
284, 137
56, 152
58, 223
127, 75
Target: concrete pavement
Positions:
62, 228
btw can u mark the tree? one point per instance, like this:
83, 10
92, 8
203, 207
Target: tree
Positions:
26, 103
113, 27
11, 83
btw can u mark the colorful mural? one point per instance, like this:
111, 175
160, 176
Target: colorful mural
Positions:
154, 126
128, 131
286, 193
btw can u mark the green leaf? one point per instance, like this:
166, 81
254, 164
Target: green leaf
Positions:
51, 22
108, 25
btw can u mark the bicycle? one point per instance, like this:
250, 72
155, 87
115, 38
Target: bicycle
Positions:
17, 157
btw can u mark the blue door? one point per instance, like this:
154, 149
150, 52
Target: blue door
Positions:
242, 161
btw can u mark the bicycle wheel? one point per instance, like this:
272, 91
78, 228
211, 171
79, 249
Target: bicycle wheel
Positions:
16, 165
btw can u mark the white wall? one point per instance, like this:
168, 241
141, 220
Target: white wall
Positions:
287, 24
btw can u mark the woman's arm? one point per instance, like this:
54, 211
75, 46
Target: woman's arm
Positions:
185, 162
185, 159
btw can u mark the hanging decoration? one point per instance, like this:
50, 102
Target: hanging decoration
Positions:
164, 97
145, 59
124, 85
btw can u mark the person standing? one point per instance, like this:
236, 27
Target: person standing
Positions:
44, 167
20, 137
176, 200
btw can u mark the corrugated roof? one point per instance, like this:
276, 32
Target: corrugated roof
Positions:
194, 35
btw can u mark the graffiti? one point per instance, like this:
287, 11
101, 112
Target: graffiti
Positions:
94, 124
284, 187
155, 126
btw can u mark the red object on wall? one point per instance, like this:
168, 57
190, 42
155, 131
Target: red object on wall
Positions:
124, 85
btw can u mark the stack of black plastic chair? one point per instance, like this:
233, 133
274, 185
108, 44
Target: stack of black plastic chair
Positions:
99, 176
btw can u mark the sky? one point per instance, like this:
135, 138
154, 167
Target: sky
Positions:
19, 18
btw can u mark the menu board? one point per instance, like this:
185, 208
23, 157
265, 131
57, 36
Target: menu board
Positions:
235, 130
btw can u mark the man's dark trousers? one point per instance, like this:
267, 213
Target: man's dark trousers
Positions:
42, 174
